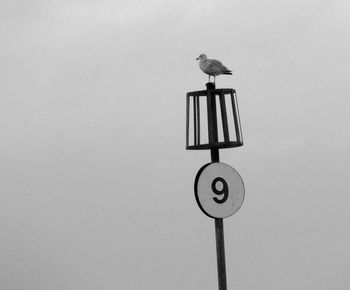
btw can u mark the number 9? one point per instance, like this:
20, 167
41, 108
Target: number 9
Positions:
223, 191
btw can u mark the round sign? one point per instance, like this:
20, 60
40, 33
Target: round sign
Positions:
219, 190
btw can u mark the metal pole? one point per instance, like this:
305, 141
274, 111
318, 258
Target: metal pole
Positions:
214, 152
219, 235
220, 252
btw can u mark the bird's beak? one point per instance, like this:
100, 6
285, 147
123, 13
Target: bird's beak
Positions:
197, 58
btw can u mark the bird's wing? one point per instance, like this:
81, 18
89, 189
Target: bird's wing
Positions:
214, 63
216, 66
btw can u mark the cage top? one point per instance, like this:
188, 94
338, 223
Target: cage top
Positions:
215, 91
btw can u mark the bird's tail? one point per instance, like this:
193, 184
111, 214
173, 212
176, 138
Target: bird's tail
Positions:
227, 72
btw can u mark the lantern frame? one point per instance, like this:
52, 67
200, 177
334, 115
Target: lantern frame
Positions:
214, 98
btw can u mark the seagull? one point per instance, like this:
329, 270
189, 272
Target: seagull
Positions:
212, 67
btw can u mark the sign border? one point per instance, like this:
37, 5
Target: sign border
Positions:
196, 191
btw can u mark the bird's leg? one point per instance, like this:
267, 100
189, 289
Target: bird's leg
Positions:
209, 78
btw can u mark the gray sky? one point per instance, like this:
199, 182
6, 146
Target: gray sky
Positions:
96, 186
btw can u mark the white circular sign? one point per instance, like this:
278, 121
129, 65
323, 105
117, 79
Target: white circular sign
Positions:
219, 190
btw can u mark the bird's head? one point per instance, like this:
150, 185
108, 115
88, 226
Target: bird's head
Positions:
202, 57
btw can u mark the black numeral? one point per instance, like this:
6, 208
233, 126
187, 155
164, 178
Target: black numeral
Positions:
223, 191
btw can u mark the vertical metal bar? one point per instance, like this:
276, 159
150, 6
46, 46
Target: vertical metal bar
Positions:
239, 119
215, 120
224, 118
236, 118
210, 120
198, 122
187, 118
214, 152
195, 120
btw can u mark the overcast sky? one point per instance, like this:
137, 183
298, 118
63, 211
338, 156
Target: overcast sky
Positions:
96, 187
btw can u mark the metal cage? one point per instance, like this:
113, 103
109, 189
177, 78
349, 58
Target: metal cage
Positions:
212, 119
